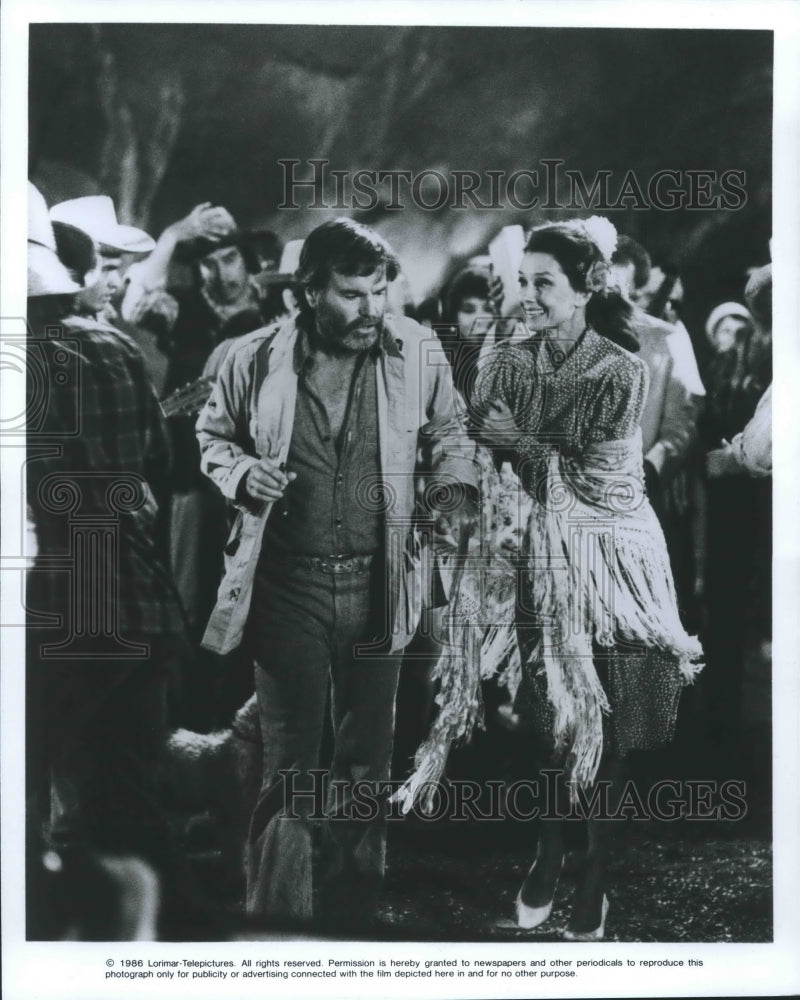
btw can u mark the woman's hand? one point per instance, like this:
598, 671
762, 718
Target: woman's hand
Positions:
497, 426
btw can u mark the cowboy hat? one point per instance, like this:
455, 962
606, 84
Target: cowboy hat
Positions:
46, 274
290, 261
95, 215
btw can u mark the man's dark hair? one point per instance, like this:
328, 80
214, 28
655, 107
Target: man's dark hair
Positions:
630, 252
346, 247
76, 250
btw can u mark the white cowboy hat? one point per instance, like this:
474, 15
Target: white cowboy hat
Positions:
46, 274
95, 215
290, 261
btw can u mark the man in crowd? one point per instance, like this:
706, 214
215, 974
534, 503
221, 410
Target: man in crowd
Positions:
222, 300
317, 429
669, 421
106, 627
95, 215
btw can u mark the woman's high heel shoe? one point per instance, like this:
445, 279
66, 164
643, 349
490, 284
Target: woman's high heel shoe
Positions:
597, 934
529, 917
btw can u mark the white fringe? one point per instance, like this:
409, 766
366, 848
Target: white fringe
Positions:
599, 571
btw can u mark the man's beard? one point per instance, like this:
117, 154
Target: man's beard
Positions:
355, 338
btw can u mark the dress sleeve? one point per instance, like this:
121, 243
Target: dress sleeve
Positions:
506, 374
616, 410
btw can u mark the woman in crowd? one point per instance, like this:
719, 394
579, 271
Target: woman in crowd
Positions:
469, 310
738, 539
739, 371
603, 652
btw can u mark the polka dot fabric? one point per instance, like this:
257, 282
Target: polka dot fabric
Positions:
568, 398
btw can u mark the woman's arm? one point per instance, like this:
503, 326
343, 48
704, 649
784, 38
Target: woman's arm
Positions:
616, 411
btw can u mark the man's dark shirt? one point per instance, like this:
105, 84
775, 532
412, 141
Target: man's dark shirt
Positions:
334, 506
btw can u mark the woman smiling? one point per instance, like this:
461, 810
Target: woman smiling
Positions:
603, 652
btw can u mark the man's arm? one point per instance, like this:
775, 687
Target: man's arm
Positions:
750, 452
227, 451
451, 451
682, 408
206, 220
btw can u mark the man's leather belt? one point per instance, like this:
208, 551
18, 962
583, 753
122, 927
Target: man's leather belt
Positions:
331, 565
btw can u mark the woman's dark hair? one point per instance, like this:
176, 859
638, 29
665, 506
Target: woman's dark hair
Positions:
606, 312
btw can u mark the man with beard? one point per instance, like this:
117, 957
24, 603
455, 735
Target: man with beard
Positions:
317, 429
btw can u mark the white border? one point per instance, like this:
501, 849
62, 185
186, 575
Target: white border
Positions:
59, 971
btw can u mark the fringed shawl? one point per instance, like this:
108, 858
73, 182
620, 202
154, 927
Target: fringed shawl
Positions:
598, 571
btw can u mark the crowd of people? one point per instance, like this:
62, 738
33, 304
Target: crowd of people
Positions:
260, 469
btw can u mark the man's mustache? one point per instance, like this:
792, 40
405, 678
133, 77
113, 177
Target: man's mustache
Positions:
361, 324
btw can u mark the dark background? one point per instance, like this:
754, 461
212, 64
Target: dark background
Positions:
165, 116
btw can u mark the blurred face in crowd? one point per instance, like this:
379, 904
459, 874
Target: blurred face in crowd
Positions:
548, 300
727, 332
349, 310
674, 304
474, 317
224, 275
101, 284
642, 297
621, 276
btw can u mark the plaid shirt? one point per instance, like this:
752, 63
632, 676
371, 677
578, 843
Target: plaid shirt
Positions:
98, 457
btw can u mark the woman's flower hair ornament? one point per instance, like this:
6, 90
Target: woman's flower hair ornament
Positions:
602, 233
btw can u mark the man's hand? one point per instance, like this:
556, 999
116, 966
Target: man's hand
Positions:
496, 294
721, 462
266, 480
211, 222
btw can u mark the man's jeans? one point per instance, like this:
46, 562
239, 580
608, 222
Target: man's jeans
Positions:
305, 626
